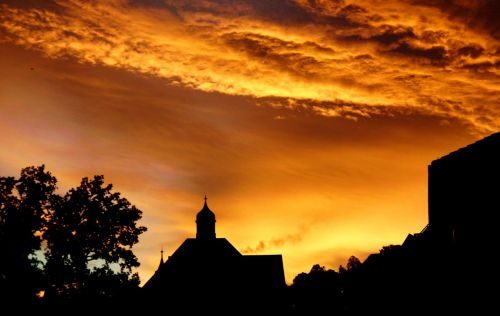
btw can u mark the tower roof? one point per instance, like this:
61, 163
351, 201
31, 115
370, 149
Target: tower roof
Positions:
205, 213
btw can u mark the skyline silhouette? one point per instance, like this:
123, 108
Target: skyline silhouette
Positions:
429, 270
309, 124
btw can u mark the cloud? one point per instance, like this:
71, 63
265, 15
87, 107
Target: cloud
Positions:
474, 51
436, 55
478, 14
278, 243
315, 52
482, 66
384, 34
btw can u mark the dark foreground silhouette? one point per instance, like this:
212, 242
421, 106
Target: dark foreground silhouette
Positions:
447, 268
72, 250
209, 274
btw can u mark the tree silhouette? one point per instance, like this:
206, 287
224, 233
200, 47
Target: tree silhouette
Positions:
318, 290
76, 246
353, 263
25, 205
325, 290
89, 237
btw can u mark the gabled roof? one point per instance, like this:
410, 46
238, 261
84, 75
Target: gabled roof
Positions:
218, 247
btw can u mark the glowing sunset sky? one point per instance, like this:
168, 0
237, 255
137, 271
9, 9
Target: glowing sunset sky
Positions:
308, 123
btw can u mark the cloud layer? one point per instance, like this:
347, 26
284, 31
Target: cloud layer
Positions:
334, 58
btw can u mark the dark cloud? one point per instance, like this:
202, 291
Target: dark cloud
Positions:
433, 37
364, 57
283, 12
473, 51
70, 34
46, 4
318, 47
392, 34
276, 52
351, 9
385, 34
229, 8
156, 4
403, 41
477, 14
484, 66
297, 59
286, 12
329, 6
435, 55
260, 40
149, 3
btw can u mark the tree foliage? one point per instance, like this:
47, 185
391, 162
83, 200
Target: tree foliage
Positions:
25, 205
353, 263
81, 243
324, 289
90, 236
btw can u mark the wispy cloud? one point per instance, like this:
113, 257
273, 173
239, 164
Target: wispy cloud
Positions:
279, 242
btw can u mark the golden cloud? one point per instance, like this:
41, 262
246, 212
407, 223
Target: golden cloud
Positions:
386, 55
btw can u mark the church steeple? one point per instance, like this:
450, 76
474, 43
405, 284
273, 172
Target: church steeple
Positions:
161, 261
205, 223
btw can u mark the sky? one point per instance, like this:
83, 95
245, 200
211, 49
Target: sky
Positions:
309, 124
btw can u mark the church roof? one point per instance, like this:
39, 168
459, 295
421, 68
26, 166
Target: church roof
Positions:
193, 267
218, 247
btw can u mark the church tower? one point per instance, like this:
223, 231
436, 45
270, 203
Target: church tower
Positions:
207, 275
205, 223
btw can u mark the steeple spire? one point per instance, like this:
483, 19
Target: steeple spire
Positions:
161, 260
205, 223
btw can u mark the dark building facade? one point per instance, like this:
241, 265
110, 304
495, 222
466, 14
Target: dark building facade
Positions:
208, 273
449, 267
464, 196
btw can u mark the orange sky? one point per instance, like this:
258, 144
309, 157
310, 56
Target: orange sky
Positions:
309, 124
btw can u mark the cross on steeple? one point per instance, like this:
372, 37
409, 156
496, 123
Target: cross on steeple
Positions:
206, 198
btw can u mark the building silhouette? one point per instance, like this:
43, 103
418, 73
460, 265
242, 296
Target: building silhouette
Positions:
445, 267
207, 273
464, 197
